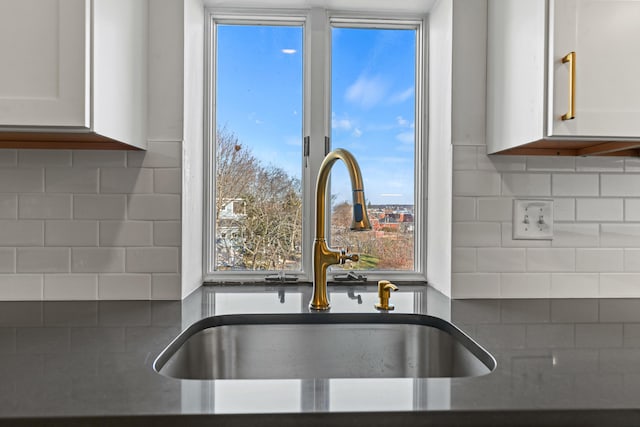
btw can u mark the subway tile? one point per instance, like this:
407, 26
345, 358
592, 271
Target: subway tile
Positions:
574, 310
526, 184
126, 233
44, 206
550, 260
475, 285
29, 180
464, 157
109, 206
501, 259
564, 209
632, 260
154, 206
166, 287
626, 185
632, 209
550, 336
21, 233
476, 234
167, 181
8, 206
152, 260
124, 286
8, 158
159, 154
599, 209
463, 260
620, 235
476, 183
7, 260
548, 163
500, 163
632, 164
43, 260
619, 310
32, 158
71, 233
599, 260
574, 285
70, 287
598, 335
464, 209
509, 242
126, 180
21, 287
99, 158
600, 164
619, 285
97, 260
577, 184
71, 180
167, 233
525, 285
575, 235
495, 209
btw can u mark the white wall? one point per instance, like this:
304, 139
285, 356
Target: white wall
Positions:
596, 248
102, 224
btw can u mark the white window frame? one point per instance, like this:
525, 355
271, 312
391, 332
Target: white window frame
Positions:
317, 24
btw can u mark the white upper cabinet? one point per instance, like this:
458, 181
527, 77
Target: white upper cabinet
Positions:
562, 77
73, 73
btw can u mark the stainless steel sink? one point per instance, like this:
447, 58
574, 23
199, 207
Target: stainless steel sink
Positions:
323, 345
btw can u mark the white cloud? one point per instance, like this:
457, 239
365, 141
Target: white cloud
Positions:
399, 97
367, 92
340, 124
288, 51
402, 121
405, 137
357, 133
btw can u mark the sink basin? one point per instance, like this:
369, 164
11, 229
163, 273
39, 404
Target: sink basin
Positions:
322, 345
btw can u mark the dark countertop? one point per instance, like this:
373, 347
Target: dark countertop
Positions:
560, 362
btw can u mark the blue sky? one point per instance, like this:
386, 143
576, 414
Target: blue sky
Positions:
259, 97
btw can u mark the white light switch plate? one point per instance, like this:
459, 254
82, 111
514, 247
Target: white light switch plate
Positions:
533, 219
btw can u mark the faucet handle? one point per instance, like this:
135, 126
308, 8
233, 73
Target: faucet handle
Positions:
384, 293
345, 255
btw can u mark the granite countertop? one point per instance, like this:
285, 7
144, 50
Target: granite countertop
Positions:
560, 362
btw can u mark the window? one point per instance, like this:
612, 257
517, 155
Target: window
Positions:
337, 81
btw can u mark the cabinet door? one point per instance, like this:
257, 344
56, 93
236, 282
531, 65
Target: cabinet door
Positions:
605, 36
44, 54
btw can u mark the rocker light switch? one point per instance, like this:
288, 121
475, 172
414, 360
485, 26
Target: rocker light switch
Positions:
533, 219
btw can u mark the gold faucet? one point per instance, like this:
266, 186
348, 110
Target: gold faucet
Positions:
323, 255
384, 293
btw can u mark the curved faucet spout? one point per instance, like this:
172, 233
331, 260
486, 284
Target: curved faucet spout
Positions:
323, 255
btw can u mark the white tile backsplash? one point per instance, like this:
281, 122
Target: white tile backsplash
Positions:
577, 184
480, 183
595, 250
83, 287
68, 217
626, 185
44, 206
526, 184
605, 209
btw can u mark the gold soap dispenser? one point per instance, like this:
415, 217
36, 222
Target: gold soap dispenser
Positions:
384, 293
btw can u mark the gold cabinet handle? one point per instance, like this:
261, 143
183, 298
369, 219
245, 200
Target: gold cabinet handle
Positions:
571, 59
